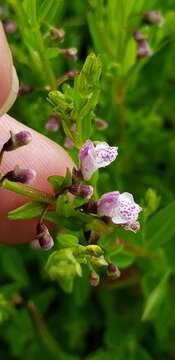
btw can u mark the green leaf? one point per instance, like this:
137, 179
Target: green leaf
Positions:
79, 201
67, 180
66, 240
156, 297
49, 9
13, 266
122, 259
27, 211
56, 182
130, 56
51, 52
63, 206
31, 7
161, 227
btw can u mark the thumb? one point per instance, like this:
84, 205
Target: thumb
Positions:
46, 158
8, 78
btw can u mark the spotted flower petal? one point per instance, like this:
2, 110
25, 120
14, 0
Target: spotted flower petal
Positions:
121, 208
94, 157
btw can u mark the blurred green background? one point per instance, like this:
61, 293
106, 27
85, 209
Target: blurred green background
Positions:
134, 316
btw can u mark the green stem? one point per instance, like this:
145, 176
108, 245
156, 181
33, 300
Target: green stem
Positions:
28, 191
38, 47
47, 341
46, 64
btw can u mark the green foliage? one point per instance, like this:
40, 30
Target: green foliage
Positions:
27, 211
77, 103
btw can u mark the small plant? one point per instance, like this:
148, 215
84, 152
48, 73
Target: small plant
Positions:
89, 212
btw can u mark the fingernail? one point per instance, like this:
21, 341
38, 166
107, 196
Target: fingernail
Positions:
12, 95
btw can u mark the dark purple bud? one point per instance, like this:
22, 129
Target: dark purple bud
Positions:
24, 176
143, 50
94, 237
17, 140
153, 18
76, 174
138, 36
53, 123
72, 73
101, 124
57, 34
113, 270
68, 143
90, 207
25, 89
43, 238
85, 191
94, 278
10, 27
70, 53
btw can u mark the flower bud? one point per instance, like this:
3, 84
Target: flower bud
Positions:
24, 89
93, 237
57, 34
138, 36
153, 18
68, 143
17, 140
94, 278
144, 50
101, 124
24, 176
112, 270
90, 207
85, 191
10, 27
43, 238
53, 123
72, 73
76, 174
70, 53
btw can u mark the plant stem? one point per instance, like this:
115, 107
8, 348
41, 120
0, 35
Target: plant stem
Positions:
44, 68
47, 341
46, 65
28, 191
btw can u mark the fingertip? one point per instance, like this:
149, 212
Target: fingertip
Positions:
46, 158
6, 66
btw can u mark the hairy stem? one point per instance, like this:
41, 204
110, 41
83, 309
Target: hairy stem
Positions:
28, 191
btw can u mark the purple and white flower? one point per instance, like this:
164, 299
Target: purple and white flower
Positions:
95, 157
24, 176
153, 18
43, 239
143, 49
121, 208
15, 141
53, 123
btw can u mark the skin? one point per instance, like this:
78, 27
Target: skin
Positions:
42, 155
